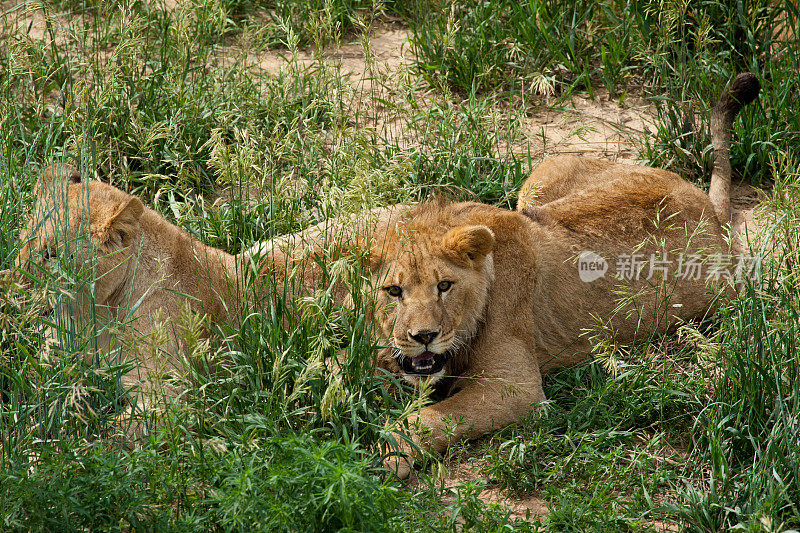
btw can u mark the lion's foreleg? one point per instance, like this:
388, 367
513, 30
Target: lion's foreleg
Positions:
494, 396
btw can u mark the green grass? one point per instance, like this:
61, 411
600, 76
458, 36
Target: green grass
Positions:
698, 429
678, 53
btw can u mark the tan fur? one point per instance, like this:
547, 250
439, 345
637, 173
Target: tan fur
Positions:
142, 261
517, 306
537, 310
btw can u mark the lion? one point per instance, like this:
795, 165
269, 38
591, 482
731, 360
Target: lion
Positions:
481, 301
138, 270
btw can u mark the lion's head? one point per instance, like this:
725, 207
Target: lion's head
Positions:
89, 225
434, 279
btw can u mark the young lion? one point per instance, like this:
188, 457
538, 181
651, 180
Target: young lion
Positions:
482, 300
139, 270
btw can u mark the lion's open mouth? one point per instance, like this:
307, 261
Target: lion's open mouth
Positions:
425, 364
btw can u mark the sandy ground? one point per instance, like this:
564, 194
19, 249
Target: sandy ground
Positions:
379, 66
388, 50
379, 69
30, 20
531, 505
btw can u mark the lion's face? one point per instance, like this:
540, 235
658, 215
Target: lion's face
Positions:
87, 227
434, 286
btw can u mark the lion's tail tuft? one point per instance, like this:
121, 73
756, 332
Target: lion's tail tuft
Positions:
742, 91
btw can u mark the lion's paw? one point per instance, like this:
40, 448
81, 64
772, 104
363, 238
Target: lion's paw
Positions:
399, 465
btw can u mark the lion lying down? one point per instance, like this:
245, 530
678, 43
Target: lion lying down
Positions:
140, 271
483, 300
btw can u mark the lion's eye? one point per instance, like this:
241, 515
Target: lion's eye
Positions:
394, 291
444, 286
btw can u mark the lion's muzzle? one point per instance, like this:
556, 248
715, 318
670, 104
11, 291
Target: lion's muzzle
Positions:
424, 364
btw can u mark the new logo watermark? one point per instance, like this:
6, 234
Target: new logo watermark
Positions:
591, 266
636, 266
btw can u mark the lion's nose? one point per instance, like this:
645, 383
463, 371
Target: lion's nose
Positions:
424, 337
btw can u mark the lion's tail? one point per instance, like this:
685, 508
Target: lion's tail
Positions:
742, 91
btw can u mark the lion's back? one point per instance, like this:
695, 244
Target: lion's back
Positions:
620, 204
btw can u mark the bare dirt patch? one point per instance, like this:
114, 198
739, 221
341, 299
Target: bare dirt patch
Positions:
747, 222
463, 472
387, 49
520, 507
34, 21
602, 127
598, 127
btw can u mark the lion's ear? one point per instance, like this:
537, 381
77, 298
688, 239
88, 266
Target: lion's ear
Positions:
121, 222
55, 174
472, 243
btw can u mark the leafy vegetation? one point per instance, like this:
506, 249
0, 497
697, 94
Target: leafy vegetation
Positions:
173, 103
681, 53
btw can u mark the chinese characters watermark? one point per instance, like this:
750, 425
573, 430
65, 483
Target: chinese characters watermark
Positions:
691, 267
